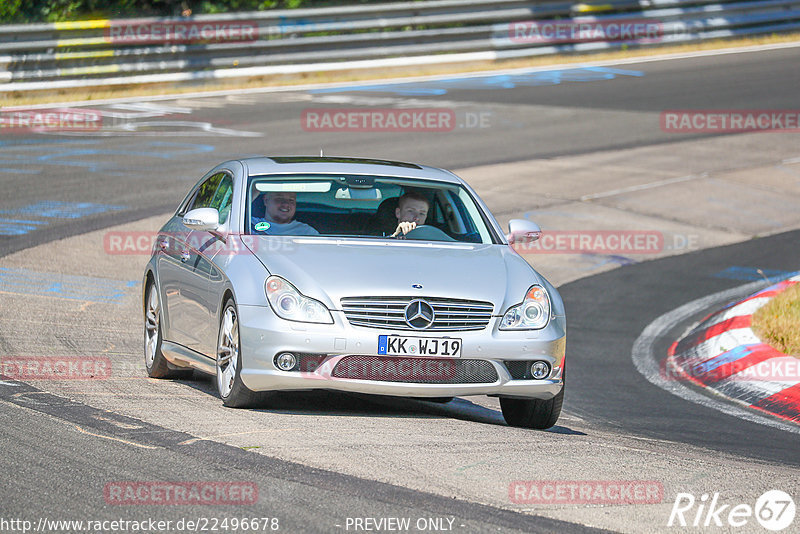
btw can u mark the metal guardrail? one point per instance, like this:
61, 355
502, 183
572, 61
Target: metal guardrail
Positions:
135, 51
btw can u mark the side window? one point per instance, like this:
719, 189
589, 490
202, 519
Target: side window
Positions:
223, 198
459, 215
205, 193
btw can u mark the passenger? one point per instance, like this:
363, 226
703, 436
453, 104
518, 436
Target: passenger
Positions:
412, 210
279, 216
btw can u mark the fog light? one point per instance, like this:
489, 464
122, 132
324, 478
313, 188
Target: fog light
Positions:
540, 370
285, 361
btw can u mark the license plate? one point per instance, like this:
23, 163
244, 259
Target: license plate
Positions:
419, 346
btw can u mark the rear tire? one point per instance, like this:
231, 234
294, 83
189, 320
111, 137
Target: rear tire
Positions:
232, 391
154, 360
534, 413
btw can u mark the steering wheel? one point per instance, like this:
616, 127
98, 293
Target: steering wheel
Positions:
428, 232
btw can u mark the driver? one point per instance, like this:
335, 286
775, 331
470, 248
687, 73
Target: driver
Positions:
412, 209
280, 207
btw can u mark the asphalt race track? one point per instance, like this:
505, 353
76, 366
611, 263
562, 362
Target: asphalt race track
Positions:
577, 148
600, 324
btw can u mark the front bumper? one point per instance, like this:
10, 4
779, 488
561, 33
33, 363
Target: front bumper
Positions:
263, 335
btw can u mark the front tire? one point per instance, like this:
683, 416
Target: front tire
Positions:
232, 391
534, 413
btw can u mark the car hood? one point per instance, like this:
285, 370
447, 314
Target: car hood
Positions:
330, 269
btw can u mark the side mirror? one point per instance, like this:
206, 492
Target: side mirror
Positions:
521, 231
202, 219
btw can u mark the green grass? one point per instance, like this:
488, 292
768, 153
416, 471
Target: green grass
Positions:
778, 322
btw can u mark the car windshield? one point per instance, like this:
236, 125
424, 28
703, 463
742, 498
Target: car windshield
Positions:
367, 207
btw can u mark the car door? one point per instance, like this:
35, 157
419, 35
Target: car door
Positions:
183, 271
209, 248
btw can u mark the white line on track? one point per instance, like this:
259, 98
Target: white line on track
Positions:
642, 187
646, 360
450, 76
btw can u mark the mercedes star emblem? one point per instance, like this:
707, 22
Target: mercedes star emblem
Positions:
419, 314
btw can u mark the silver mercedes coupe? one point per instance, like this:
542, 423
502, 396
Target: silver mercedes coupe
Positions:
295, 273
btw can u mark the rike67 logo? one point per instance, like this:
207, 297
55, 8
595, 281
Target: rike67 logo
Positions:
774, 510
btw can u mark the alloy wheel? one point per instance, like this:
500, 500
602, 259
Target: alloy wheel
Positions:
227, 352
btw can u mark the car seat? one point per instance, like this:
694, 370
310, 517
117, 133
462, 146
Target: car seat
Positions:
384, 220
257, 207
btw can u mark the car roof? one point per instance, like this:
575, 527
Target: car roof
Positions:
345, 165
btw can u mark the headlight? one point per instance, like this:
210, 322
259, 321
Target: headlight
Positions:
532, 314
288, 303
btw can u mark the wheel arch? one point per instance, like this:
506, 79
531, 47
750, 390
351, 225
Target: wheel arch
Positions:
148, 278
226, 295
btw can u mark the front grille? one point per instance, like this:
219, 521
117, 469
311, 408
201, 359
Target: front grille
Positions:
519, 369
416, 370
308, 363
389, 312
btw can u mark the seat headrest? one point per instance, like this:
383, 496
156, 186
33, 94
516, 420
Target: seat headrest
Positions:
257, 208
385, 218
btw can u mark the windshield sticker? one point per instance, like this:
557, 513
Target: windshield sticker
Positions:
262, 226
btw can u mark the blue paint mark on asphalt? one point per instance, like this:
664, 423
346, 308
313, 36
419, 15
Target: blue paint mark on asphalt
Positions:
49, 209
55, 288
18, 226
751, 273
71, 287
65, 210
23, 142
59, 153
500, 81
104, 152
195, 148
20, 221
604, 259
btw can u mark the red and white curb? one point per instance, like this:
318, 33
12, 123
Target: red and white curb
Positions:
723, 354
